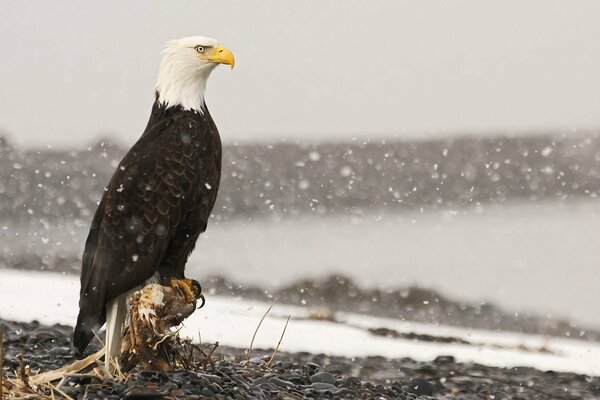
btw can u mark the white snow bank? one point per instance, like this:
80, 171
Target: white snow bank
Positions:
52, 298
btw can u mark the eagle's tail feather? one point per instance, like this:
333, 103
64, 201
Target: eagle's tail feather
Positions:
116, 314
117, 311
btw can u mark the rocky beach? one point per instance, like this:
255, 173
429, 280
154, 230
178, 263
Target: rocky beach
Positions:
231, 375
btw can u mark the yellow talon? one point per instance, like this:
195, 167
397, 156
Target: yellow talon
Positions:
186, 287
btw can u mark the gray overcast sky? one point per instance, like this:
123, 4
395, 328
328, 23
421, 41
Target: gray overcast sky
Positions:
319, 69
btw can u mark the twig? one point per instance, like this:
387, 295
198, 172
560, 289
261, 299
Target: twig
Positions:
98, 337
209, 355
118, 374
73, 367
63, 380
212, 363
23, 376
280, 339
258, 327
52, 387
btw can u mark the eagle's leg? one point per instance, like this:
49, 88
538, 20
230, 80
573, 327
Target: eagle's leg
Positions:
190, 288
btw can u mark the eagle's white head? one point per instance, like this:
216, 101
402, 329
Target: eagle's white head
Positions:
184, 69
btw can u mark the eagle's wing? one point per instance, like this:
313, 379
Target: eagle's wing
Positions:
136, 219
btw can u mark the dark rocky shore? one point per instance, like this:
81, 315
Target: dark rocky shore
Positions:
292, 375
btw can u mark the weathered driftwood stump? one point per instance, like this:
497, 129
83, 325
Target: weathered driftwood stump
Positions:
149, 339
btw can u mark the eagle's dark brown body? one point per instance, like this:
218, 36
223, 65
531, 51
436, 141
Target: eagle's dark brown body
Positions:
156, 205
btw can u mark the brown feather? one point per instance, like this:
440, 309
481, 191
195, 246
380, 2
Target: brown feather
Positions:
153, 210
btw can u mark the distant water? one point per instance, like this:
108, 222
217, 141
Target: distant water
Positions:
542, 258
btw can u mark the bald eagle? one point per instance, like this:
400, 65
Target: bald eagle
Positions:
159, 198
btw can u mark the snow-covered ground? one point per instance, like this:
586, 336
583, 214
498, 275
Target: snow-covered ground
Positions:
52, 298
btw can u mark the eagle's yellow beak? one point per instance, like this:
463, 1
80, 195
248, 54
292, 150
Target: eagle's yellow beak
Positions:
221, 55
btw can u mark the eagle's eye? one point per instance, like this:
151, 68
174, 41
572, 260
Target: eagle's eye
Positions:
200, 49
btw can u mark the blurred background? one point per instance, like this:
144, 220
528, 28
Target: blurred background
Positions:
422, 160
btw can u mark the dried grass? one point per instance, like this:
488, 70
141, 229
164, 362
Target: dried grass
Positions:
279, 343
258, 327
73, 368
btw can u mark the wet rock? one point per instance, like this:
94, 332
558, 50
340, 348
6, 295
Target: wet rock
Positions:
324, 377
345, 392
295, 379
215, 388
420, 387
321, 386
60, 351
257, 360
268, 387
72, 391
281, 382
444, 360
211, 378
259, 380
142, 393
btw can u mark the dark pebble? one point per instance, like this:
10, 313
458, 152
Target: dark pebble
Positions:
444, 360
215, 388
59, 351
281, 382
407, 396
142, 393
239, 381
257, 360
268, 387
72, 391
168, 387
154, 376
313, 365
259, 380
351, 382
119, 388
212, 378
296, 379
257, 391
321, 386
428, 368
420, 387
345, 392
324, 377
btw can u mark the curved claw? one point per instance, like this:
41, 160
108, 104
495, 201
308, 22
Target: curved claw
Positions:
198, 292
201, 297
196, 288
